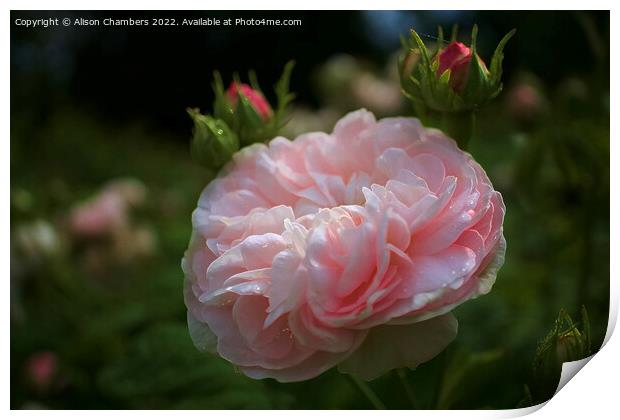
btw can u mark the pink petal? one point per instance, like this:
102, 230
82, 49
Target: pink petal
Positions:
389, 347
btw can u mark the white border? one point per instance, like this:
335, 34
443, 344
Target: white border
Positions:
593, 394
314, 5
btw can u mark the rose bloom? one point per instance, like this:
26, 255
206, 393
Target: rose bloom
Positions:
345, 249
258, 101
456, 57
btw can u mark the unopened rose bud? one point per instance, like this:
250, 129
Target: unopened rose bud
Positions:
456, 57
564, 343
256, 99
245, 111
213, 142
452, 79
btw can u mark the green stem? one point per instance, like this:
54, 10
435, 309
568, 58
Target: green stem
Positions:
368, 393
402, 375
459, 126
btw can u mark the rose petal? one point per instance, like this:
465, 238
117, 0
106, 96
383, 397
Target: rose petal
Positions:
393, 346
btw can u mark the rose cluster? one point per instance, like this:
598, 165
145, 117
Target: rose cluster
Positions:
346, 249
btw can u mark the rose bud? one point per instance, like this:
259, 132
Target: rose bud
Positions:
453, 80
456, 57
254, 97
564, 343
244, 109
213, 142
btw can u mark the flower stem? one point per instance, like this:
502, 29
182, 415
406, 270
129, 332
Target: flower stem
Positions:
368, 393
460, 126
402, 375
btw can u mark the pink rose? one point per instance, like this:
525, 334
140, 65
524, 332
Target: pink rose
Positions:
258, 101
456, 58
345, 249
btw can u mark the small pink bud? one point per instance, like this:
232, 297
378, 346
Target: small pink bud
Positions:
456, 58
41, 368
258, 101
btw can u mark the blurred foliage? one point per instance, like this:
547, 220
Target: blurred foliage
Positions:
117, 325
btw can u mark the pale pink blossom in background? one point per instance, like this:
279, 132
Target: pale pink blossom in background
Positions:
108, 211
101, 215
346, 249
41, 368
524, 101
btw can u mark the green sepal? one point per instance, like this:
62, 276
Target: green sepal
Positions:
213, 142
498, 56
455, 32
222, 107
444, 79
248, 123
478, 88
440, 40
283, 99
